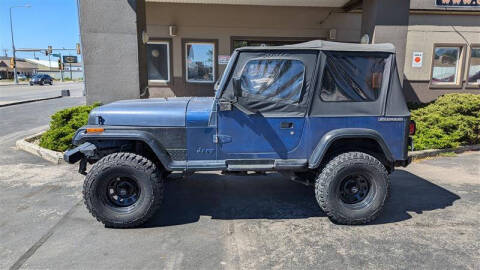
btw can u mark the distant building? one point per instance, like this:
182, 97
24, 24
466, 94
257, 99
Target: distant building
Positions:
74, 67
44, 65
23, 67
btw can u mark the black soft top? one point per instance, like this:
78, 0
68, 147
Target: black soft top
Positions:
328, 46
391, 101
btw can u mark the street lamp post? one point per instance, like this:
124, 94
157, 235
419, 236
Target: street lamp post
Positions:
13, 44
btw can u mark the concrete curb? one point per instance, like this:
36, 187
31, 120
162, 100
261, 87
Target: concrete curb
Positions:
27, 145
27, 101
12, 84
435, 152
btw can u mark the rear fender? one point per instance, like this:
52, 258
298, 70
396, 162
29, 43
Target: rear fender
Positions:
346, 133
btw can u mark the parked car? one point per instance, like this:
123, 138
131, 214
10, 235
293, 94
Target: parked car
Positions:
21, 77
330, 115
41, 79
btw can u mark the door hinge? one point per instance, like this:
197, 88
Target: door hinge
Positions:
225, 105
222, 139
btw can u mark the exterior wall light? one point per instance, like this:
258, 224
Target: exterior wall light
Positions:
145, 37
172, 30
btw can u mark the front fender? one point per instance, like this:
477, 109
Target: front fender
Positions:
125, 134
345, 133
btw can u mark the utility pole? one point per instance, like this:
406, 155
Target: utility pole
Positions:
13, 44
71, 75
60, 66
49, 52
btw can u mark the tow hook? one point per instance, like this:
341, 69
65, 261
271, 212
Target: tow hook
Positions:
82, 167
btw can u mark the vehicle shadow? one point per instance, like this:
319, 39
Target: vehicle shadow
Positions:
411, 193
272, 196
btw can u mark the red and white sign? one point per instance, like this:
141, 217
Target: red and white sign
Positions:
417, 60
223, 59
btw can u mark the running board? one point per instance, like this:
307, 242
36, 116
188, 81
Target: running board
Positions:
265, 164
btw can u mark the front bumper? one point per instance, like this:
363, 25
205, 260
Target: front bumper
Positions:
85, 150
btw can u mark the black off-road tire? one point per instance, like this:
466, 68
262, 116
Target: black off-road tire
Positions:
147, 177
341, 168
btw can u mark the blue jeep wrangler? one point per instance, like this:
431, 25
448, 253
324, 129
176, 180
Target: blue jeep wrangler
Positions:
327, 114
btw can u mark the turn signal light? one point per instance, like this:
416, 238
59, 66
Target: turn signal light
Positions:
95, 130
412, 128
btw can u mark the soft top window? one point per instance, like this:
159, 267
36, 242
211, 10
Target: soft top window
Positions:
273, 83
353, 76
274, 78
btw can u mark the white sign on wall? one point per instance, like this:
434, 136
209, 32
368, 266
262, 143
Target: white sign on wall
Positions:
223, 59
417, 60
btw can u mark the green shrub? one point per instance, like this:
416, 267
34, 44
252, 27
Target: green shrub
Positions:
63, 126
451, 121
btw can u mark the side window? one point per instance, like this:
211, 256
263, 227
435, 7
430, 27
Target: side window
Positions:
200, 62
158, 61
274, 78
474, 66
446, 65
352, 77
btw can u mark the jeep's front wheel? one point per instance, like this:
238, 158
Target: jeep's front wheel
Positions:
352, 188
123, 190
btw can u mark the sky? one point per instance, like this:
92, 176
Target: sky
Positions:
46, 22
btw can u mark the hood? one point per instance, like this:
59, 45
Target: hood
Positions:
154, 112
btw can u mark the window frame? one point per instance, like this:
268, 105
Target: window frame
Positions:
278, 58
167, 41
460, 67
213, 42
469, 64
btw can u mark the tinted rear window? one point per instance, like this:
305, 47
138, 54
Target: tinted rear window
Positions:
353, 77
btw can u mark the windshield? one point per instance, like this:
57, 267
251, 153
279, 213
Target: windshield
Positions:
224, 77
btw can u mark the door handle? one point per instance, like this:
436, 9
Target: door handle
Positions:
286, 125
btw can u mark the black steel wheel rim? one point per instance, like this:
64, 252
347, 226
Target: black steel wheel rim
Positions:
354, 189
123, 191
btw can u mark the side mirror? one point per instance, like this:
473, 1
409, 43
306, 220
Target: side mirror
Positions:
237, 87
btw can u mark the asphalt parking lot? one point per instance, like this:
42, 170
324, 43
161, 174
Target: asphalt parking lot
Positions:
20, 93
211, 221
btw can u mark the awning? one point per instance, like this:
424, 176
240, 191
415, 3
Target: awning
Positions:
298, 3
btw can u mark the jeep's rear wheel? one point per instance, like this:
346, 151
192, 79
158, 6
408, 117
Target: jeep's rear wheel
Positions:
352, 188
123, 190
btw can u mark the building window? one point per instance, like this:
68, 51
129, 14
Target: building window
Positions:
474, 67
353, 77
200, 62
280, 79
158, 61
446, 66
